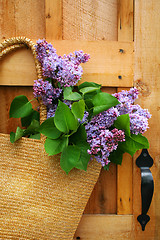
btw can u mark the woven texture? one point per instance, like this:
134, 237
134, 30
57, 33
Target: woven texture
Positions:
37, 199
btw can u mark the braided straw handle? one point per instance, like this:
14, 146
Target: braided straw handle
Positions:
12, 44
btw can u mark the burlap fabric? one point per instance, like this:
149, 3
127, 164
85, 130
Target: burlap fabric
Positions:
37, 199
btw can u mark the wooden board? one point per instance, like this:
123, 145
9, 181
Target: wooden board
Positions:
105, 227
54, 20
124, 172
90, 20
125, 20
107, 66
147, 79
104, 197
22, 18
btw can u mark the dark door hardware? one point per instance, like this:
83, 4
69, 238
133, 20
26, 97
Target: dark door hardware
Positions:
144, 162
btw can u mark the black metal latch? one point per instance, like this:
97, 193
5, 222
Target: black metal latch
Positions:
144, 162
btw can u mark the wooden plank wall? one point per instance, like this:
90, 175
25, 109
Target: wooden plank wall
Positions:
97, 20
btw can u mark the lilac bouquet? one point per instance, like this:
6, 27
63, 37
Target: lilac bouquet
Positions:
82, 121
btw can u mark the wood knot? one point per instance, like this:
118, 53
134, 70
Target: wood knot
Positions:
142, 87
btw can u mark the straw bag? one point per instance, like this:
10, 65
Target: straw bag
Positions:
37, 199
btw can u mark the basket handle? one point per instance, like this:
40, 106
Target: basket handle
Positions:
14, 43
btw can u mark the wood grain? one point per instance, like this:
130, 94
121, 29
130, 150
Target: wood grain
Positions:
124, 172
107, 66
22, 18
90, 20
147, 79
125, 20
7, 19
103, 198
54, 23
124, 186
105, 227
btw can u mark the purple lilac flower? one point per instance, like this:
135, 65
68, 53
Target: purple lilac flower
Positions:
102, 121
66, 70
46, 91
138, 110
51, 111
104, 143
138, 124
127, 96
68, 73
138, 116
78, 57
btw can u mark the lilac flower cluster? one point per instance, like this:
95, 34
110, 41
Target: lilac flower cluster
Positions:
51, 111
66, 70
46, 91
138, 116
103, 141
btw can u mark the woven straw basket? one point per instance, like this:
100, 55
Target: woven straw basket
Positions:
37, 199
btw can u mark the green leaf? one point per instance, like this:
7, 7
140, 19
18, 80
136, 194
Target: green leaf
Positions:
64, 119
89, 89
78, 109
69, 95
69, 158
123, 123
20, 107
32, 128
116, 156
84, 158
55, 146
15, 136
103, 101
35, 136
89, 104
49, 129
89, 84
80, 139
26, 121
133, 143
141, 140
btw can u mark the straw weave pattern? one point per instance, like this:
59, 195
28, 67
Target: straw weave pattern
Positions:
37, 199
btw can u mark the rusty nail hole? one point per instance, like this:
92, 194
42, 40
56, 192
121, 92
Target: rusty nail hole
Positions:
78, 238
120, 199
